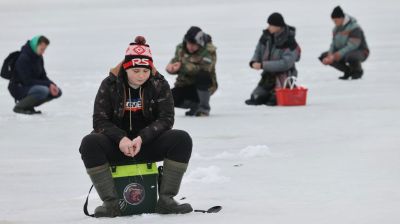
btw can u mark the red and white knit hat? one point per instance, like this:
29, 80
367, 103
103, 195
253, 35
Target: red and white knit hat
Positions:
138, 55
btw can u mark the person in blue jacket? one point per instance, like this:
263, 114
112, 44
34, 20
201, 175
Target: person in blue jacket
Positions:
29, 84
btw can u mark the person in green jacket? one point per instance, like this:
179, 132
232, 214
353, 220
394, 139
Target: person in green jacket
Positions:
194, 64
349, 47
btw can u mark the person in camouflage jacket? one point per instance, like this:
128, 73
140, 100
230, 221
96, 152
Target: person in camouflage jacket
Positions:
194, 64
132, 121
349, 47
276, 54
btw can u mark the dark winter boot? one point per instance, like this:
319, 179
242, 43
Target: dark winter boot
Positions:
345, 76
192, 111
26, 106
191, 105
357, 75
253, 101
261, 93
104, 184
356, 69
170, 184
204, 105
271, 101
342, 66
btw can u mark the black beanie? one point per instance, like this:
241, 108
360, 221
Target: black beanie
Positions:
196, 36
337, 13
191, 34
276, 19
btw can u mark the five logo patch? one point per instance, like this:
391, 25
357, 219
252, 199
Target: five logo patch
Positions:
133, 105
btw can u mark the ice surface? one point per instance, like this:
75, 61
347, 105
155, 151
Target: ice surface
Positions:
334, 161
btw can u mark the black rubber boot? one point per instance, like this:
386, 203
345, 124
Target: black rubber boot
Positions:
26, 106
105, 187
170, 184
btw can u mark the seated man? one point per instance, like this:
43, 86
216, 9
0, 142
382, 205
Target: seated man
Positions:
349, 47
194, 63
276, 53
29, 84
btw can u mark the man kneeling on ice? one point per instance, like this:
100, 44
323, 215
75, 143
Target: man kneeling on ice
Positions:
133, 116
29, 84
194, 63
349, 47
276, 53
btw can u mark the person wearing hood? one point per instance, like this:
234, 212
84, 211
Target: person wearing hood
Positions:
133, 118
348, 48
30, 85
194, 64
276, 54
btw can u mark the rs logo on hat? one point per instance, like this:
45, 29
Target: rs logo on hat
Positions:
137, 61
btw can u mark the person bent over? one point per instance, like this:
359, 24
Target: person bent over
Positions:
29, 85
348, 48
194, 64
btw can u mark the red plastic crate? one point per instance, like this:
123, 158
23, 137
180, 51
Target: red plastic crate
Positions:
296, 96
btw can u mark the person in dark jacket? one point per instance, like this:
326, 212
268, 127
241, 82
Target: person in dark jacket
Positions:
276, 54
133, 116
349, 47
30, 85
194, 64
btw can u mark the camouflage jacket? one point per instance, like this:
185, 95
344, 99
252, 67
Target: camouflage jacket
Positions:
109, 107
347, 38
203, 59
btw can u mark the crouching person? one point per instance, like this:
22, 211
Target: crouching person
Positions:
133, 116
276, 53
194, 63
349, 47
29, 84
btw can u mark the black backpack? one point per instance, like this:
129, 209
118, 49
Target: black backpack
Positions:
8, 68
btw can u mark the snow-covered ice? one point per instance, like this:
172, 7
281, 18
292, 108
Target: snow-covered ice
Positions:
337, 160
205, 175
250, 151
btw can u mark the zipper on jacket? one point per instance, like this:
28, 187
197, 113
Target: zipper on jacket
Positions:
130, 111
141, 94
